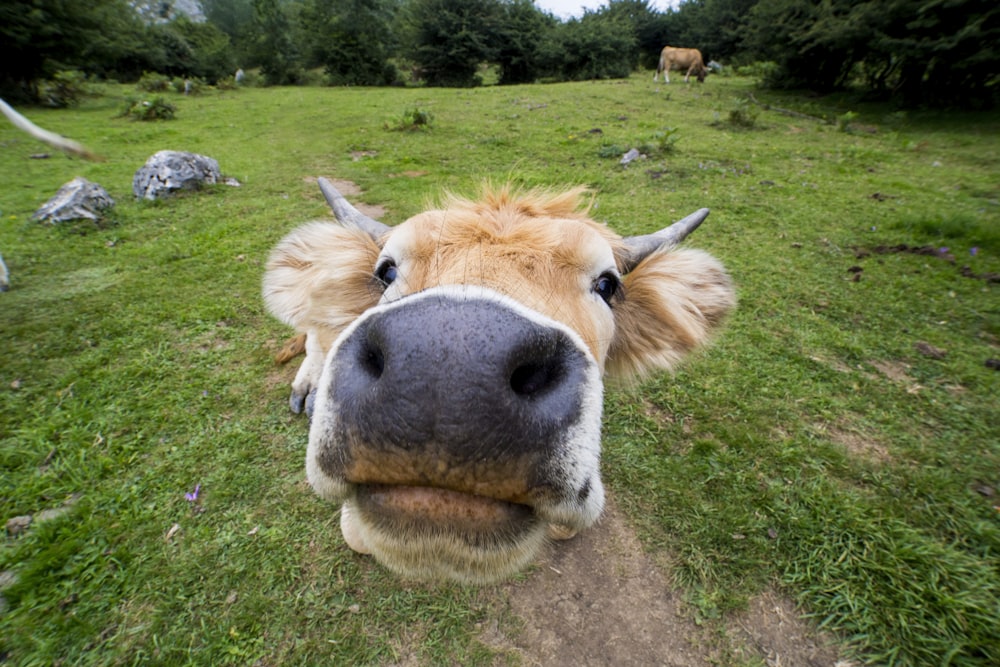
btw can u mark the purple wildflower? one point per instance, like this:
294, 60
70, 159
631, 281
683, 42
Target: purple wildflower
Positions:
191, 497
974, 251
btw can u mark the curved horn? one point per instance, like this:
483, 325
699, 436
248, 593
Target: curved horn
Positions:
638, 248
347, 214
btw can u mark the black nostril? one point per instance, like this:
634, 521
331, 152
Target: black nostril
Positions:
531, 379
371, 359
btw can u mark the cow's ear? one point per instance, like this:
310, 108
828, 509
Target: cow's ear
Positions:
320, 275
674, 300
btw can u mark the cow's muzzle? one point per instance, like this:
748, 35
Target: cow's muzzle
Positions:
457, 426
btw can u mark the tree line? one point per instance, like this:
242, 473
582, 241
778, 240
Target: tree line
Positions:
917, 52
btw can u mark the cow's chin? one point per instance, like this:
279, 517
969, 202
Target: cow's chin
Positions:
438, 534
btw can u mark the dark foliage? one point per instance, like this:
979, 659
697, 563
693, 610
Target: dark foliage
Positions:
943, 53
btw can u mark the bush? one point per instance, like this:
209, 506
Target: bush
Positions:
743, 114
664, 141
64, 89
413, 120
764, 72
188, 86
155, 108
152, 82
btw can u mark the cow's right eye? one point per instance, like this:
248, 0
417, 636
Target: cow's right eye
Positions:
386, 272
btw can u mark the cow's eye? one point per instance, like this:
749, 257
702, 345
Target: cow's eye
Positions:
607, 286
386, 272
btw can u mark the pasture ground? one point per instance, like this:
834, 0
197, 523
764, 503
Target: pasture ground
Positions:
836, 453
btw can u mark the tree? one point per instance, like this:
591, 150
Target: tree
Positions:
450, 38
236, 19
934, 52
40, 37
274, 44
596, 46
352, 39
521, 31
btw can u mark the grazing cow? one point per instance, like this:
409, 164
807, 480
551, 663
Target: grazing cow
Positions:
454, 366
683, 60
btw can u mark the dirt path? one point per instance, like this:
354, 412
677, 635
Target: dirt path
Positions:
600, 600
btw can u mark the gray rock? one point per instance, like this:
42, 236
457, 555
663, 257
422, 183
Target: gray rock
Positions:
76, 200
632, 155
167, 172
18, 524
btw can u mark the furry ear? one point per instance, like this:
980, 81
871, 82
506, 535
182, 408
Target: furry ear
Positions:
673, 302
320, 277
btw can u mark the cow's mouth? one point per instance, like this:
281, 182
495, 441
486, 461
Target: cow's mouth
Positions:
433, 533
422, 511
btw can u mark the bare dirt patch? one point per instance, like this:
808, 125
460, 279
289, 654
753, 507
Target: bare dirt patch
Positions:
772, 629
599, 599
860, 445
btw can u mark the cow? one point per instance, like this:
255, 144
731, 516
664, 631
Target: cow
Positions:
686, 60
454, 366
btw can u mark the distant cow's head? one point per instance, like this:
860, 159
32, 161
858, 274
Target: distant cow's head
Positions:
454, 367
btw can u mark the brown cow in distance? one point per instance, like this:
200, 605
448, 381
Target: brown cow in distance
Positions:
688, 61
454, 365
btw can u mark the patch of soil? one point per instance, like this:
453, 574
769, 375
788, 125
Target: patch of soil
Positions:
858, 445
774, 630
599, 599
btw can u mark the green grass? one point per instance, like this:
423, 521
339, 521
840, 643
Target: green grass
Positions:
812, 447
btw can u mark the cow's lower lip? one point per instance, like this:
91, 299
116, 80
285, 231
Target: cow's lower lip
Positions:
427, 508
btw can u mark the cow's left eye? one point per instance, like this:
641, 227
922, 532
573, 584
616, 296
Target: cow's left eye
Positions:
607, 286
386, 272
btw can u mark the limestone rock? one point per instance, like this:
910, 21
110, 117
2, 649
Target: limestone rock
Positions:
78, 199
167, 172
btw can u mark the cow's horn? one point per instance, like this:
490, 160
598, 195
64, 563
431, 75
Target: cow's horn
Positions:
347, 214
638, 248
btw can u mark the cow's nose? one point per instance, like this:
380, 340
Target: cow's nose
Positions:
474, 379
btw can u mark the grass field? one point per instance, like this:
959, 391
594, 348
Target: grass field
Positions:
840, 442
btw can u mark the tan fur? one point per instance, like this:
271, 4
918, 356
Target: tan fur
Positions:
674, 301
293, 347
538, 247
684, 60
320, 276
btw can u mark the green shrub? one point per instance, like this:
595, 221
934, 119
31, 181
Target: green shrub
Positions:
151, 108
743, 114
412, 120
664, 141
189, 85
762, 71
64, 89
152, 82
844, 121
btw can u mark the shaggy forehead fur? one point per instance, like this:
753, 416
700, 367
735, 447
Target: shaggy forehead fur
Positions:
519, 228
539, 248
